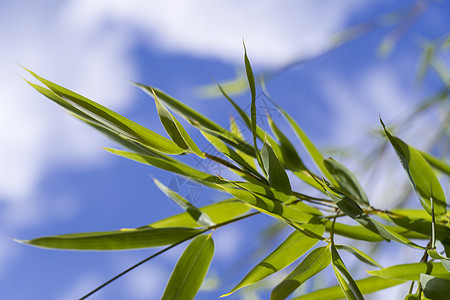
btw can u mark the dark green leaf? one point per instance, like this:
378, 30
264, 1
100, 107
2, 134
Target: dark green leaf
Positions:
347, 182
435, 288
276, 173
317, 260
190, 270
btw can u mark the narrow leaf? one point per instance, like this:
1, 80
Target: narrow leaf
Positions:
411, 271
347, 182
190, 270
200, 217
286, 253
115, 240
422, 177
348, 285
317, 260
276, 173
359, 255
366, 286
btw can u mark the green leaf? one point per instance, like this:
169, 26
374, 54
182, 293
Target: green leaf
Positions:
421, 175
218, 212
174, 128
366, 286
286, 253
317, 260
171, 165
115, 240
352, 209
200, 217
288, 153
411, 271
359, 255
436, 163
444, 260
347, 182
190, 269
435, 288
348, 285
276, 173
108, 118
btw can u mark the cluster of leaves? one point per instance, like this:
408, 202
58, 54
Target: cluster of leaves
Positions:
264, 187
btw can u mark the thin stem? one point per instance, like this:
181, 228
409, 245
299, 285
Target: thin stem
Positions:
166, 249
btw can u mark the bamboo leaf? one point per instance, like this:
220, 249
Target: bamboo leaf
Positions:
434, 287
346, 181
174, 128
200, 217
286, 253
110, 119
115, 240
190, 270
276, 173
348, 285
411, 271
359, 255
422, 177
444, 260
366, 286
317, 260
438, 164
218, 212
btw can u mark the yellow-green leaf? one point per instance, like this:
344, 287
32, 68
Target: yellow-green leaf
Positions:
411, 271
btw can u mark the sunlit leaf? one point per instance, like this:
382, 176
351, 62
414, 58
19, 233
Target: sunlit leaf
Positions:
218, 212
347, 182
276, 173
200, 217
411, 271
366, 286
444, 260
317, 260
359, 255
434, 287
190, 269
348, 285
421, 175
436, 163
286, 253
115, 240
111, 119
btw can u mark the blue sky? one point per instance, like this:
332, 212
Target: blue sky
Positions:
55, 178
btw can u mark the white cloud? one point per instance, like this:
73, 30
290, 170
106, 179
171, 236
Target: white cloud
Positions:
274, 33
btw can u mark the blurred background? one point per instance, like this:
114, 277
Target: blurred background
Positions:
335, 66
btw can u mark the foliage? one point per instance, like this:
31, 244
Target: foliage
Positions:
268, 168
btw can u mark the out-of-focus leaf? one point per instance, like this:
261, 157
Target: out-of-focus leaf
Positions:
109, 119
444, 260
190, 270
411, 271
200, 217
170, 165
286, 253
218, 212
436, 163
435, 288
348, 285
366, 286
175, 130
317, 260
421, 175
352, 209
347, 182
115, 240
359, 255
276, 173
